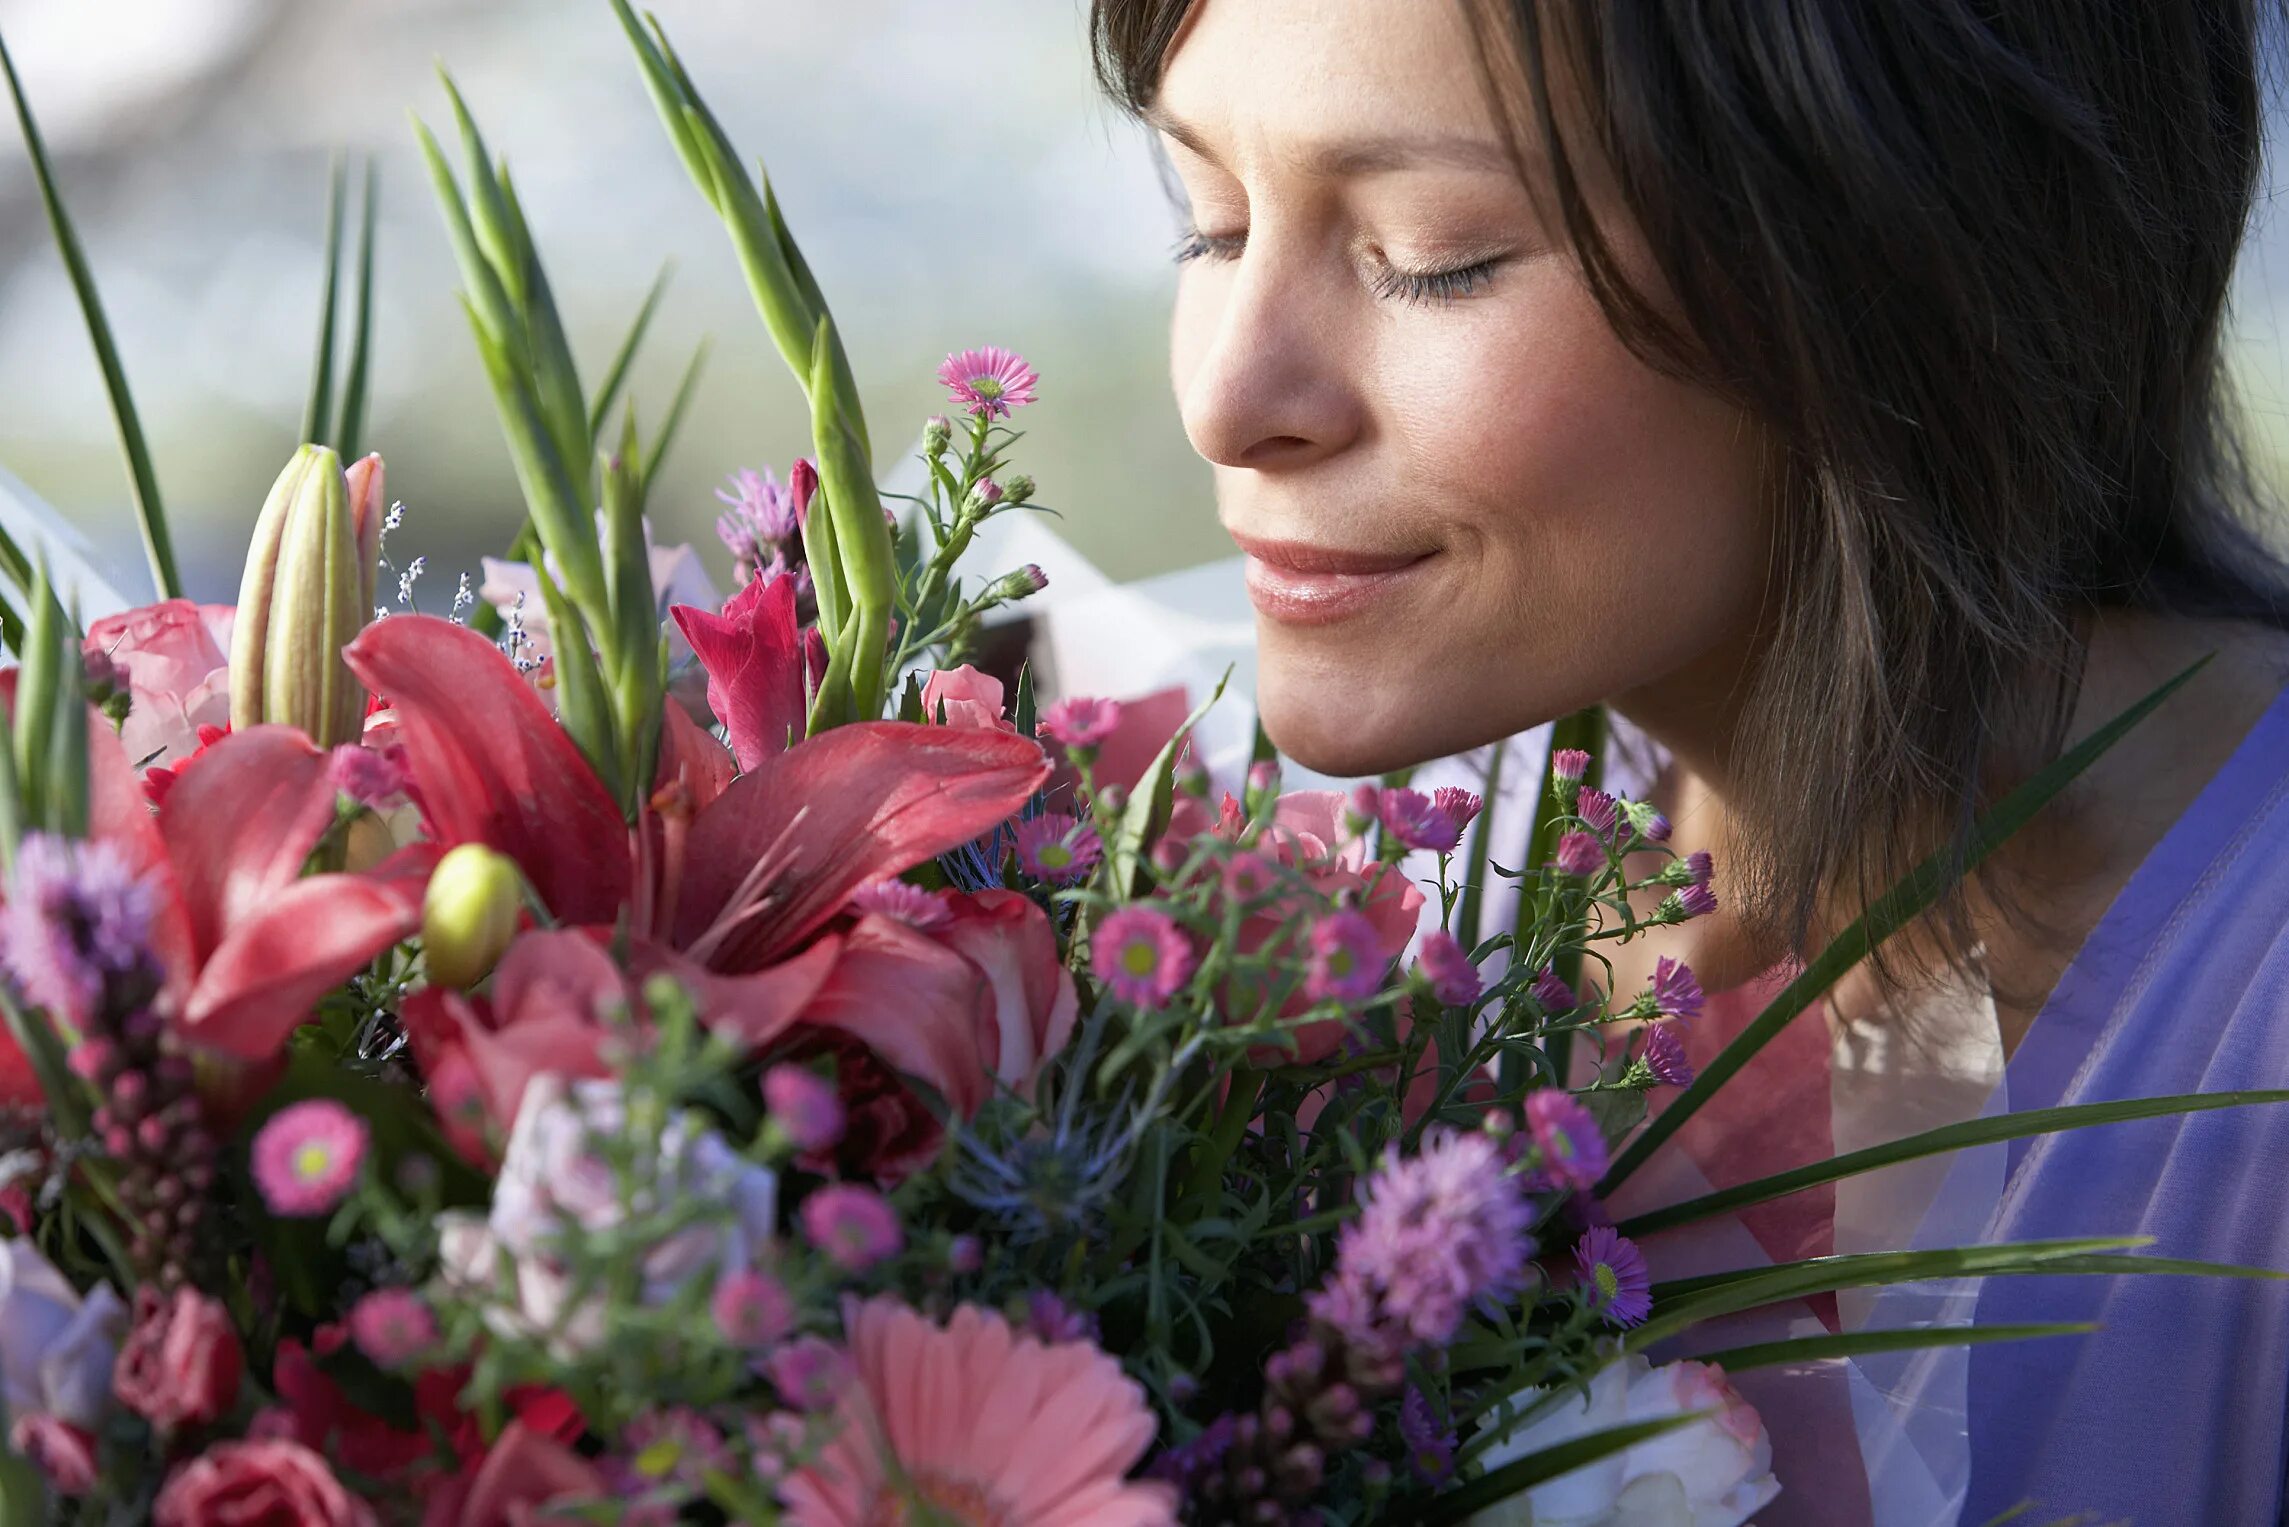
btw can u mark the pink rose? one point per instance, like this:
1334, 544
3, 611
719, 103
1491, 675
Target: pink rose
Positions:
177, 660
523, 1472
258, 1484
63, 1453
182, 1361
967, 699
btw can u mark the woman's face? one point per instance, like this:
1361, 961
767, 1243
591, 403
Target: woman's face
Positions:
1467, 508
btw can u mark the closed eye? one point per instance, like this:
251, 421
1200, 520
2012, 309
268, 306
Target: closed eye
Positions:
1192, 245
1434, 286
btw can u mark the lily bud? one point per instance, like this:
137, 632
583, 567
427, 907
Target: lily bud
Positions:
469, 915
307, 590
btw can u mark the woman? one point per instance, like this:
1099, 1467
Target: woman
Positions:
1834, 391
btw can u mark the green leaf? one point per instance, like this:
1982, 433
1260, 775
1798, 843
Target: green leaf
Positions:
673, 423
351, 433
23, 1492
150, 514
317, 415
862, 536
1810, 1349
1952, 1137
582, 701
36, 701
616, 374
1892, 911
1522, 1474
1147, 812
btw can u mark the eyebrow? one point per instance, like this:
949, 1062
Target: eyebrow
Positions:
1365, 156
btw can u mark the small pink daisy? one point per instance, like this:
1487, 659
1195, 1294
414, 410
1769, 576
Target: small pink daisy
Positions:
1460, 806
393, 1326
1446, 966
1581, 853
1614, 1272
1142, 955
924, 911
753, 1309
1676, 991
1249, 877
855, 1226
1057, 848
1573, 1153
1080, 722
1346, 959
988, 382
307, 1157
1596, 808
804, 1105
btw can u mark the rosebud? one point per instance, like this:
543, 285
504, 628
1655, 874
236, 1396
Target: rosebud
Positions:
307, 590
469, 914
1017, 490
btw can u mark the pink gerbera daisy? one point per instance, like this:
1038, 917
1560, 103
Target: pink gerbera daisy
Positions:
1057, 848
307, 1157
988, 382
974, 1424
1142, 955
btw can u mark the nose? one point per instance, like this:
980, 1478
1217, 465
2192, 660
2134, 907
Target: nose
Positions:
1264, 372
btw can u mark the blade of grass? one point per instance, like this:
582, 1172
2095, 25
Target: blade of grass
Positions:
351, 435
1952, 1137
1523, 1474
1892, 911
317, 414
615, 375
150, 513
1809, 1349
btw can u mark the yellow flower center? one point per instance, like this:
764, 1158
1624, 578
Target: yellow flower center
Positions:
312, 1161
1139, 957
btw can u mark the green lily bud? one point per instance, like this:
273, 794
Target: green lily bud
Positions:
469, 915
307, 590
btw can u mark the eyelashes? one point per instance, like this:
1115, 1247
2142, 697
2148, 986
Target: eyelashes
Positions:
1434, 287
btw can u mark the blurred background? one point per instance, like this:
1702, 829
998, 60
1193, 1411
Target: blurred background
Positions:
946, 164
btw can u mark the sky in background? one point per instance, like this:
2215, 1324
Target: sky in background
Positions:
946, 165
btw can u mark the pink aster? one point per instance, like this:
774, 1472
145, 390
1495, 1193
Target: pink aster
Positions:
1572, 1151
1142, 955
1596, 808
923, 911
1057, 848
1551, 990
804, 1105
1568, 768
1461, 806
1346, 959
973, 1423
1581, 853
1664, 1055
1414, 820
1675, 989
1700, 869
307, 1157
1614, 1272
1690, 902
1080, 721
989, 382
752, 1309
855, 1226
1446, 966
393, 1327
1249, 877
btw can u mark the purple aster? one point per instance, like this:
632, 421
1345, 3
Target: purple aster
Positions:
1430, 1446
1700, 869
1614, 1272
1675, 991
1057, 848
1437, 1233
1346, 959
1682, 905
1600, 810
1551, 990
1664, 1055
988, 382
1581, 853
1566, 1138
804, 1105
1142, 955
902, 902
1412, 818
1461, 807
1646, 822
752, 1309
855, 1226
77, 919
1446, 966
1080, 722
1568, 768
1051, 1320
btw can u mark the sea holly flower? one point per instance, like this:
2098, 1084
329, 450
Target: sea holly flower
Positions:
306, 1158
1142, 955
1446, 966
1346, 959
971, 1422
988, 382
1058, 849
1569, 1150
1613, 1270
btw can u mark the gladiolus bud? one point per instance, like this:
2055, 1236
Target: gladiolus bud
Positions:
469, 915
307, 590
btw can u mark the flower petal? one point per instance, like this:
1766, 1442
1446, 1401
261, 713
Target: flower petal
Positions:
240, 823
923, 1009
493, 766
753, 655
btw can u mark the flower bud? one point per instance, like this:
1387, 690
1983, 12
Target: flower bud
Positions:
983, 495
937, 434
802, 487
469, 914
1017, 490
1026, 582
307, 590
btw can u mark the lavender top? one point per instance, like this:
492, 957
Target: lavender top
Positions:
2177, 1409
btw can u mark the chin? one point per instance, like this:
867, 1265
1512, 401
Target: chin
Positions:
1335, 729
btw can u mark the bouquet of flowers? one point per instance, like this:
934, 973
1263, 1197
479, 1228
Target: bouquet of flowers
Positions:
614, 1054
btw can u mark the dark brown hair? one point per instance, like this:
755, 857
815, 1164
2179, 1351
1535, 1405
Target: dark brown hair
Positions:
1967, 261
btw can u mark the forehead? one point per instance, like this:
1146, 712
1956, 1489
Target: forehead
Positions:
1264, 77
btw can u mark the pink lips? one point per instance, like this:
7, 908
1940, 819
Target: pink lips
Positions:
1306, 585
